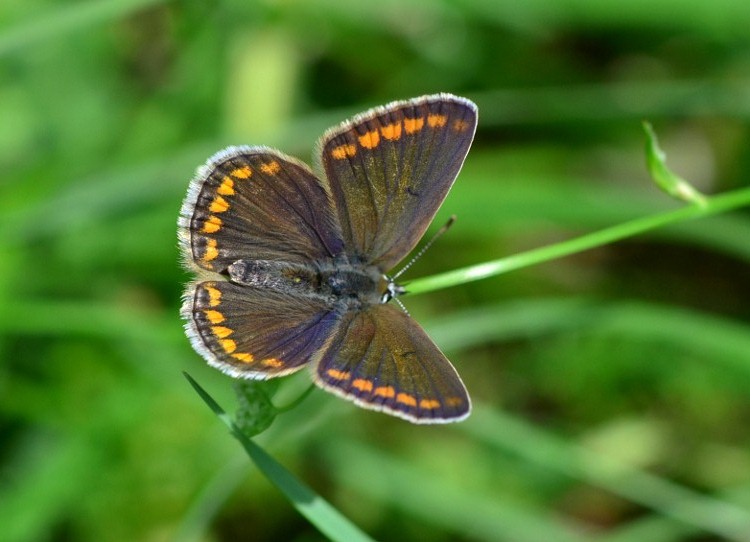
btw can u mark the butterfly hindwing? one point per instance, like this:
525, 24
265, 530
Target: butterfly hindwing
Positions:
389, 169
255, 201
252, 332
381, 359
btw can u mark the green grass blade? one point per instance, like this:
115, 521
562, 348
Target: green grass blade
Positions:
720, 340
665, 178
312, 506
208, 502
437, 500
70, 18
668, 498
714, 205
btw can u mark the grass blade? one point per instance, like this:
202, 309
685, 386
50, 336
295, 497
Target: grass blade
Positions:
312, 506
668, 498
717, 204
66, 19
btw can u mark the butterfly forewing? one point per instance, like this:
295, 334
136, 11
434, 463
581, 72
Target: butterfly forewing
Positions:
254, 201
383, 360
389, 170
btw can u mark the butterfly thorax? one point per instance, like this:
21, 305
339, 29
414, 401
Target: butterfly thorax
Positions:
344, 286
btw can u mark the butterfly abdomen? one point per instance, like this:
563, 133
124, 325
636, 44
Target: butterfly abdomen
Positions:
281, 276
346, 287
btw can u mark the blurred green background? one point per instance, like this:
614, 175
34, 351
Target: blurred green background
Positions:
611, 389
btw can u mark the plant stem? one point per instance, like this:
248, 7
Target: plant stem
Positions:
714, 205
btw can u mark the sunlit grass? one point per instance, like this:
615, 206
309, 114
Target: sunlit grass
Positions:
636, 349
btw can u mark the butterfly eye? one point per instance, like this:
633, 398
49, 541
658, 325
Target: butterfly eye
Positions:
391, 290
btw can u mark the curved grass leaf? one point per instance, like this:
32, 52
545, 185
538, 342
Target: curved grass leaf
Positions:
718, 204
704, 512
317, 510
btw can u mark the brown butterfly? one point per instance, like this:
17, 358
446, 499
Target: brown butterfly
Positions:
292, 267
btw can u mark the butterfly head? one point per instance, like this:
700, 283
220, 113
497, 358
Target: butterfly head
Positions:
392, 289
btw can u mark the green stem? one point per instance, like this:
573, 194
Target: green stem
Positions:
327, 519
714, 205
297, 401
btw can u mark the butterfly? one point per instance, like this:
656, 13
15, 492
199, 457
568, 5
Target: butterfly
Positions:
292, 266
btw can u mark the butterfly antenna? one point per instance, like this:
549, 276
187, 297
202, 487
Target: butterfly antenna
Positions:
418, 255
403, 308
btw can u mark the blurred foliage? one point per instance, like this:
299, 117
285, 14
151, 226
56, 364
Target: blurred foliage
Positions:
612, 387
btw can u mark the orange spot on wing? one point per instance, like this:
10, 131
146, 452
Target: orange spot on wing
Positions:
212, 224
436, 121
370, 140
272, 362
429, 403
338, 375
226, 188
413, 125
215, 317
228, 345
243, 356
241, 172
391, 131
385, 391
406, 399
343, 151
211, 251
221, 331
460, 125
271, 168
214, 296
218, 205
362, 385
454, 401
